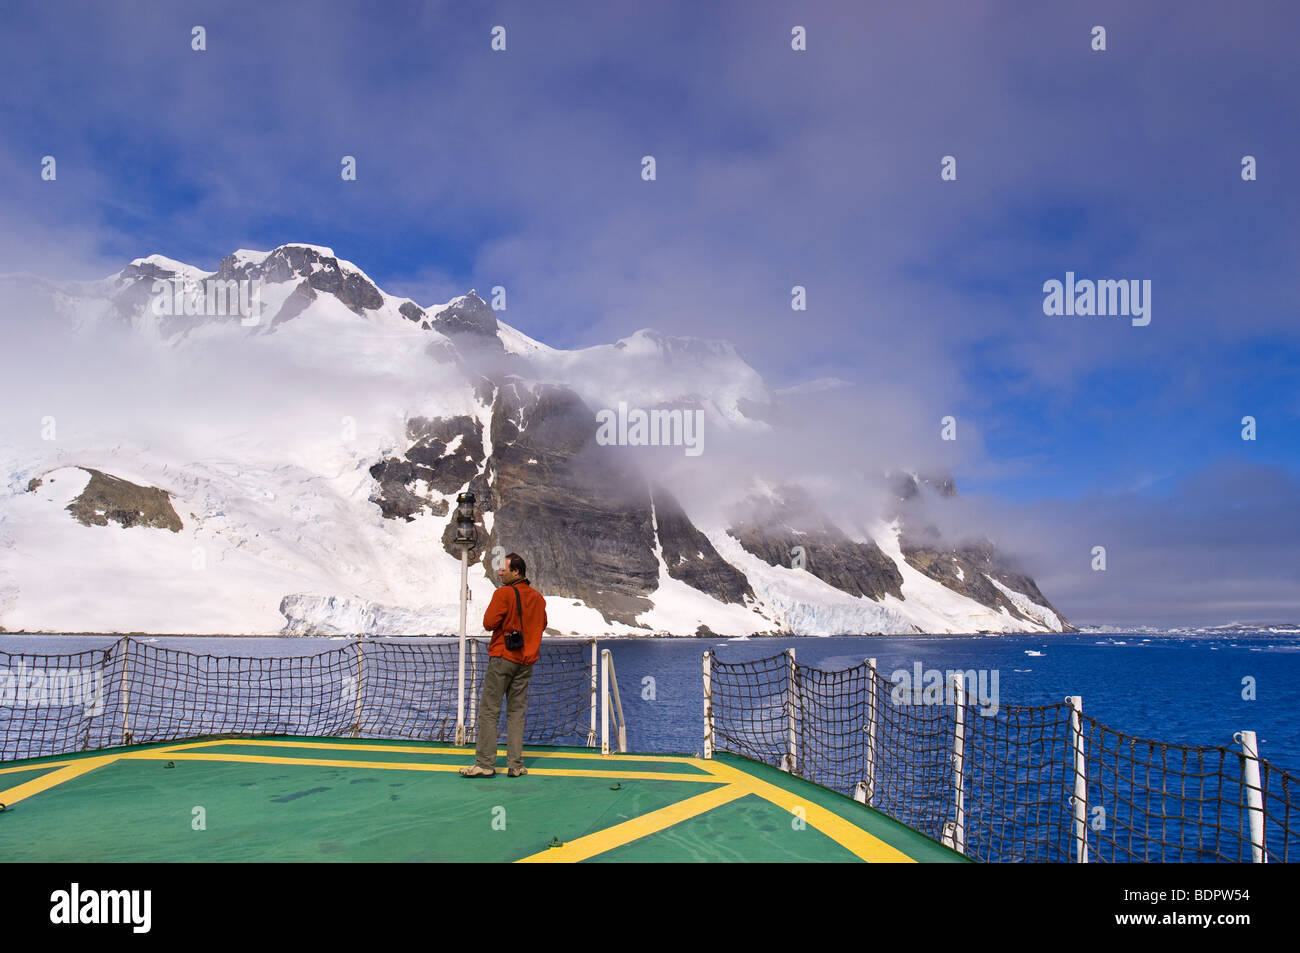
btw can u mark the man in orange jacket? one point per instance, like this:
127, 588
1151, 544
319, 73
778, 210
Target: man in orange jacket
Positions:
515, 607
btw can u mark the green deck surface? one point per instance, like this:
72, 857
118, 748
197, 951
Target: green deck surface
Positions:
404, 801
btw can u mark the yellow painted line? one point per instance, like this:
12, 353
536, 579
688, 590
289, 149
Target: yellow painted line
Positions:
62, 771
425, 749
845, 833
174, 755
56, 777
150, 754
601, 841
35, 767
58, 764
187, 745
622, 775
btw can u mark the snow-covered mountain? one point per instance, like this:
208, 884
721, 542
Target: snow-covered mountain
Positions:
277, 446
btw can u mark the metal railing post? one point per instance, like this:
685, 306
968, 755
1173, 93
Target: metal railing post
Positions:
616, 710
356, 722
126, 691
1254, 794
604, 707
708, 704
869, 785
959, 764
792, 760
591, 733
460, 683
1079, 800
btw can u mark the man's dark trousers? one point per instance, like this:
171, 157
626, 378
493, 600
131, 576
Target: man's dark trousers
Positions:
509, 679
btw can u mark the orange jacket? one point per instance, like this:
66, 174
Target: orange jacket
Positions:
502, 616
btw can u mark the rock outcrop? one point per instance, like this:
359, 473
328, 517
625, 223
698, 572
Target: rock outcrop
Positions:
788, 529
972, 569
468, 317
321, 270
107, 497
690, 556
444, 454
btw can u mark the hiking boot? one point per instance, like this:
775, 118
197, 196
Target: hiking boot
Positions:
515, 772
477, 771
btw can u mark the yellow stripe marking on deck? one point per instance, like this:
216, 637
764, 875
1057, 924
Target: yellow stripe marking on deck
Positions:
592, 844
425, 749
64, 771
54, 778
35, 767
845, 833
171, 755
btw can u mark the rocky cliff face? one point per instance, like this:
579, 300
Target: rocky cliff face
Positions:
690, 557
583, 519
788, 529
317, 267
973, 568
589, 524
468, 317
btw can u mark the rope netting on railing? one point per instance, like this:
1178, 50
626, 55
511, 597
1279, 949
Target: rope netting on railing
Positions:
1003, 783
133, 692
1186, 803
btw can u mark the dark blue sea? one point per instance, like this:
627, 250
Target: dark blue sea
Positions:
1182, 687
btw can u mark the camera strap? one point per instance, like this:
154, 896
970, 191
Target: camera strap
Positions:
520, 606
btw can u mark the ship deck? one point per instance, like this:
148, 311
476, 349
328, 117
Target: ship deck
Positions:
322, 799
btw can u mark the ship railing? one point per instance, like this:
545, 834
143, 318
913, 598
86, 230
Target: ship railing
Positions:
136, 692
1003, 783
610, 704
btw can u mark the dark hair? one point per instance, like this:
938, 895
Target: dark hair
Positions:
517, 564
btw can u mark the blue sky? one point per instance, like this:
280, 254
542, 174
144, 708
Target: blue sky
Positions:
775, 168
